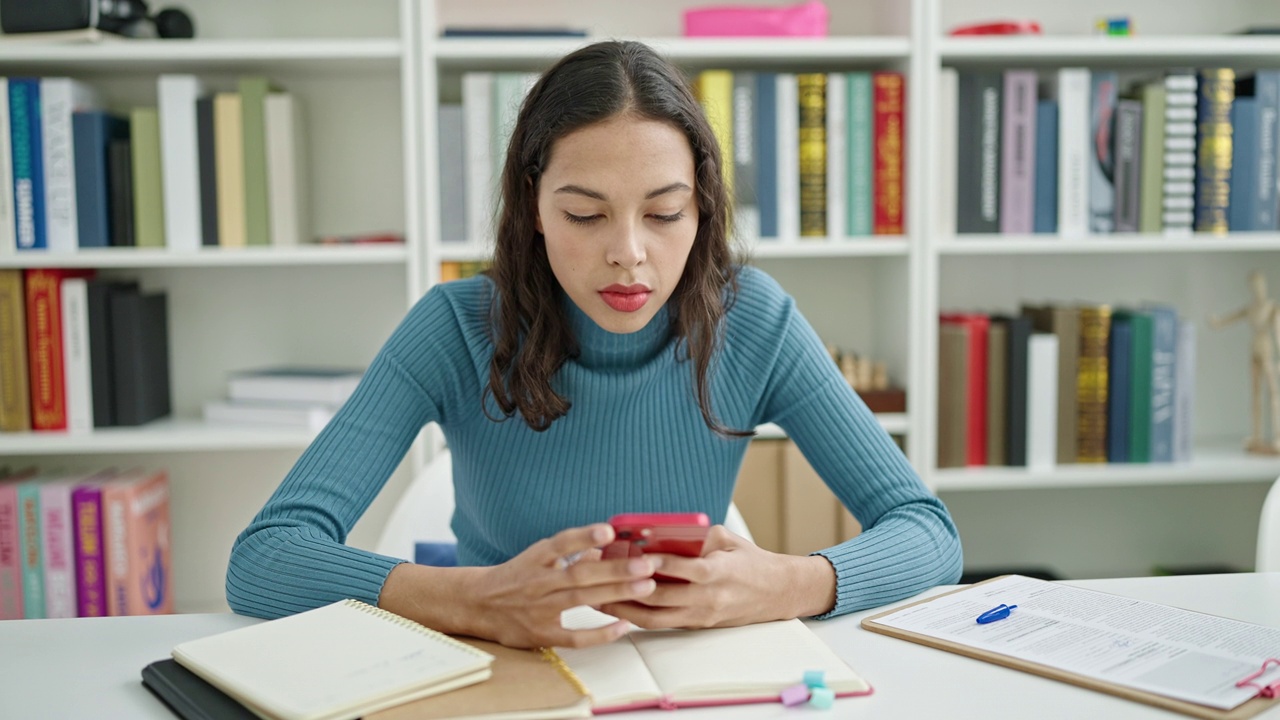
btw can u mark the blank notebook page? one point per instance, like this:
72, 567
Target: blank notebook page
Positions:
328, 661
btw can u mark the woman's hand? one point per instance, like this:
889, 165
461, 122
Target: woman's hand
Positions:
518, 603
733, 583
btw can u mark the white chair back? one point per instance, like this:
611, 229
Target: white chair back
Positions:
1269, 532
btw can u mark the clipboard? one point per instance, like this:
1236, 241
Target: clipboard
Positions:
1245, 710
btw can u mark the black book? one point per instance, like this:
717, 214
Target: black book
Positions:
978, 144
140, 354
120, 170
1016, 412
208, 171
189, 696
101, 359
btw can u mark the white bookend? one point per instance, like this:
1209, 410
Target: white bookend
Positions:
1184, 391
945, 130
59, 98
788, 129
180, 160
477, 106
1042, 401
837, 155
8, 234
286, 169
75, 351
1073, 151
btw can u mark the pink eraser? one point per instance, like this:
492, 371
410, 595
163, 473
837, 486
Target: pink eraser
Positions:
795, 695
806, 19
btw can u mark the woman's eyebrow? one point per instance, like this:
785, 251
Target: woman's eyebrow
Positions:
595, 195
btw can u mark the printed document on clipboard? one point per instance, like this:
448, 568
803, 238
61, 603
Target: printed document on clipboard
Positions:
1178, 659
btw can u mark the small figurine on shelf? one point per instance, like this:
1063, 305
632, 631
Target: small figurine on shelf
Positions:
1264, 318
1120, 25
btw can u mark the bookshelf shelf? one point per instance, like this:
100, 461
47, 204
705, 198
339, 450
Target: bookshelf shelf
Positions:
1131, 51
1129, 243
459, 54
893, 423
877, 246
1214, 462
162, 436
202, 56
213, 257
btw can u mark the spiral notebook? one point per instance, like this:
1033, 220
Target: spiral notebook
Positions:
337, 662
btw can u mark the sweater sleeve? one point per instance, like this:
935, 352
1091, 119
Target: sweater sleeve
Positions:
292, 556
909, 542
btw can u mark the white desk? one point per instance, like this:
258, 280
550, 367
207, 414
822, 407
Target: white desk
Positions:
90, 668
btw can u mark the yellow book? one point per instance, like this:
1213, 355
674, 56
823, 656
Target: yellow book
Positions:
813, 154
15, 398
228, 151
715, 92
1091, 388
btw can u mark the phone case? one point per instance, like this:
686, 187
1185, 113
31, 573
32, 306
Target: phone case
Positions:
674, 533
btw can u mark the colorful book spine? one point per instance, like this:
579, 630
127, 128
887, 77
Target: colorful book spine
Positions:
1119, 364
1140, 395
44, 347
228, 128
1180, 103
1101, 151
978, 164
1164, 348
90, 558
58, 555
1242, 213
1092, 383
1046, 211
148, 178
76, 372
15, 391
1213, 150
135, 511
28, 163
30, 550
746, 204
1018, 150
812, 102
1151, 185
766, 152
715, 93
890, 153
1184, 391
997, 391
1128, 166
10, 554
861, 158
976, 383
257, 213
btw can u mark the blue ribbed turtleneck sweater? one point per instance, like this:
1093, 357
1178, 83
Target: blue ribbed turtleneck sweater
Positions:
633, 441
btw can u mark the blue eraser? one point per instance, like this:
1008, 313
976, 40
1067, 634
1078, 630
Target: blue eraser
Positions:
822, 697
814, 678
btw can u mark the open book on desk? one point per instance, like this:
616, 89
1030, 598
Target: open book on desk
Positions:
690, 668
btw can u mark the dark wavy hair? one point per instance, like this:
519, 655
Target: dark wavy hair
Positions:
532, 336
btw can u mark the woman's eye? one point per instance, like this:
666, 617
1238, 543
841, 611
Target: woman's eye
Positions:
670, 218
581, 219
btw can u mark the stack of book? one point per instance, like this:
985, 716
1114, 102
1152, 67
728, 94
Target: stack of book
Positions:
287, 397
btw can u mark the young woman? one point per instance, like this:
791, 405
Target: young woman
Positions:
614, 359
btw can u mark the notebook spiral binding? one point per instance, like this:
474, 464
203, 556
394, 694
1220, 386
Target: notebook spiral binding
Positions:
552, 657
412, 625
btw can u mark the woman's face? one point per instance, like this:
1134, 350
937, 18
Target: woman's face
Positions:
618, 209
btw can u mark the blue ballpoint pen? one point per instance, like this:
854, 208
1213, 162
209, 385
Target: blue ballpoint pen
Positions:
999, 612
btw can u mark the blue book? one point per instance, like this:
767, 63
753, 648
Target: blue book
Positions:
91, 135
766, 145
1101, 153
1260, 160
28, 163
1164, 346
1119, 358
1242, 212
1046, 211
1267, 91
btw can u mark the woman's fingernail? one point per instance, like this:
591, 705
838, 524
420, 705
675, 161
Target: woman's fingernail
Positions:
640, 566
643, 587
600, 534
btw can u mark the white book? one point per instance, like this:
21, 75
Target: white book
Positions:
1042, 401
837, 155
180, 160
945, 130
297, 384
59, 98
286, 168
75, 354
788, 131
8, 233
284, 416
1073, 151
1184, 391
477, 106
59, 571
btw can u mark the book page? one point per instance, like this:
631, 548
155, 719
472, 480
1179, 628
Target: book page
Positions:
741, 662
1169, 651
613, 673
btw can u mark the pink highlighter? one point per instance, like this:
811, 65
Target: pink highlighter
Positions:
807, 19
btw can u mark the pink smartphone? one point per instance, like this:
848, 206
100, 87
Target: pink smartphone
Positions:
674, 533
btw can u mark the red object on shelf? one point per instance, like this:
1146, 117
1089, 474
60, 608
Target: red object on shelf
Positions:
1003, 27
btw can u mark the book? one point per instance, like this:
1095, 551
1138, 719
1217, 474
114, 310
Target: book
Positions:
1092, 383
1018, 152
1063, 322
889, 133
978, 145
1128, 165
975, 384
1119, 394
672, 669
92, 132
714, 90
340, 661
253, 92
8, 231
860, 162
57, 550
953, 394
206, 149
10, 552
1073, 92
136, 540
75, 354
1103, 95
140, 356
765, 153
120, 202
180, 159
1151, 183
1180, 104
45, 346
297, 384
1213, 150
148, 178
290, 416
30, 548
1046, 173
28, 163
837, 133
812, 148
787, 128
998, 391
15, 392
287, 169
87, 552
1042, 401
228, 149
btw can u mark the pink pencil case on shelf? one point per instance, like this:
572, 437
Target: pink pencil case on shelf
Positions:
807, 19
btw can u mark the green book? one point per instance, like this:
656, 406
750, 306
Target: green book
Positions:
860, 155
148, 178
1140, 386
1151, 184
30, 544
257, 212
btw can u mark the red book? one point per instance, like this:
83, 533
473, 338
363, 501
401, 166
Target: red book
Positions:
44, 346
978, 324
888, 184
